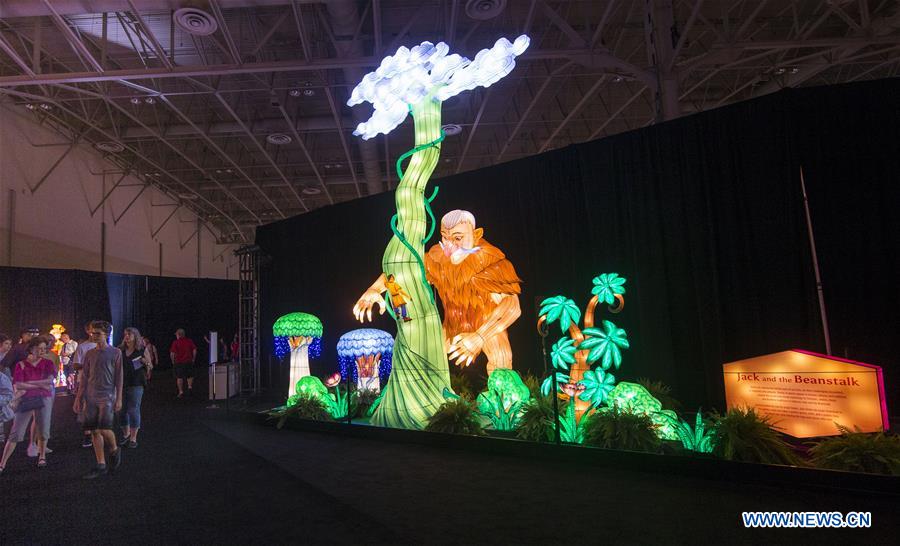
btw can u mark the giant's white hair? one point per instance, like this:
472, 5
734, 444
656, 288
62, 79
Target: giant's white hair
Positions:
457, 216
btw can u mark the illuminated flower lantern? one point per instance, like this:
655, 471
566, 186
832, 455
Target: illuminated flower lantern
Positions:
416, 82
365, 355
299, 334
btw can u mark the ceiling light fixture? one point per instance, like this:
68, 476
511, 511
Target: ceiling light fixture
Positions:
109, 146
279, 139
482, 10
195, 21
451, 129
311, 191
294, 92
150, 100
135, 100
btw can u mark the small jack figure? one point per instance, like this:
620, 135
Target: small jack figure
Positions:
397, 300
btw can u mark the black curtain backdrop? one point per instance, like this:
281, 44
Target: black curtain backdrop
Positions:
703, 215
156, 306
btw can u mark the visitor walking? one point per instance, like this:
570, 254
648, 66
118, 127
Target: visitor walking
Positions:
77, 364
135, 364
19, 351
66, 352
33, 448
99, 397
153, 355
183, 353
236, 348
5, 346
6, 397
32, 380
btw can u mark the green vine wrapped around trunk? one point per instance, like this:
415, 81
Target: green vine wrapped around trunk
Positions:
420, 371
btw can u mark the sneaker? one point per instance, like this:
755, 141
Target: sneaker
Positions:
87, 442
47, 449
99, 470
32, 450
132, 444
123, 441
117, 457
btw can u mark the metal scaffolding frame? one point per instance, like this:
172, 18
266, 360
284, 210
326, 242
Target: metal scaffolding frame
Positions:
193, 113
248, 318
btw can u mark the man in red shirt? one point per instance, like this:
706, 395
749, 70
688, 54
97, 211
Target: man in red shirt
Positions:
183, 353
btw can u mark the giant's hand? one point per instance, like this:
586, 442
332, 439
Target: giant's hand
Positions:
363, 307
465, 347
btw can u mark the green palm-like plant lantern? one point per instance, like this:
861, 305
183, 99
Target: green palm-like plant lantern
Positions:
416, 82
583, 360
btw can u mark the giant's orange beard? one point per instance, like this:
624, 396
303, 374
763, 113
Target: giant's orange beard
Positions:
465, 289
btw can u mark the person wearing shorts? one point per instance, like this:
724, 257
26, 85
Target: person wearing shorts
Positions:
32, 379
99, 397
183, 353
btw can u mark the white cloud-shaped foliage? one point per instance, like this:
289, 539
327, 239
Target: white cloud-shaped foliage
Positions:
407, 77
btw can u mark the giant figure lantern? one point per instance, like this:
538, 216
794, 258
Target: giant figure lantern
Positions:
416, 82
299, 334
365, 355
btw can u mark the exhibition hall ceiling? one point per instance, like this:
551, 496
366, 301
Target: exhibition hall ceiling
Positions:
237, 110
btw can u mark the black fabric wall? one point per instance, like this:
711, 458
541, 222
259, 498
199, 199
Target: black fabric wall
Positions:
154, 305
703, 215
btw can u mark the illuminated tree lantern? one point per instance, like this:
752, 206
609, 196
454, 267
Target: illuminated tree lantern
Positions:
309, 386
585, 356
635, 398
299, 334
503, 402
365, 356
415, 82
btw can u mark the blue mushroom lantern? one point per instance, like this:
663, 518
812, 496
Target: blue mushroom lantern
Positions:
365, 357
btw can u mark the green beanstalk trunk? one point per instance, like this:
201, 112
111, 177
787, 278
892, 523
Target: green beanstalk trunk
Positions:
420, 371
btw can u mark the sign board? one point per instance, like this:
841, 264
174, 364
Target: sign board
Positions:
807, 394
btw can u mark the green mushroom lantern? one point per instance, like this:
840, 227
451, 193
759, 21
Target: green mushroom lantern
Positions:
299, 334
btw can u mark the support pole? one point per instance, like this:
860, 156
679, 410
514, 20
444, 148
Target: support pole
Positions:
815, 261
11, 227
103, 247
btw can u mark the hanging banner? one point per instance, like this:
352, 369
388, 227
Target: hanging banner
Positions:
807, 394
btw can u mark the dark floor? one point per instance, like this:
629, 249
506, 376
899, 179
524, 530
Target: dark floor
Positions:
199, 478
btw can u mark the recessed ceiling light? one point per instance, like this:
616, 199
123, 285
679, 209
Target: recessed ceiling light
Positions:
309, 92
187, 196
149, 100
45, 106
195, 21
135, 100
109, 146
483, 10
279, 139
311, 191
451, 129
294, 92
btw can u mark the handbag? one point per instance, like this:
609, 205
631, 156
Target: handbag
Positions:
30, 403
